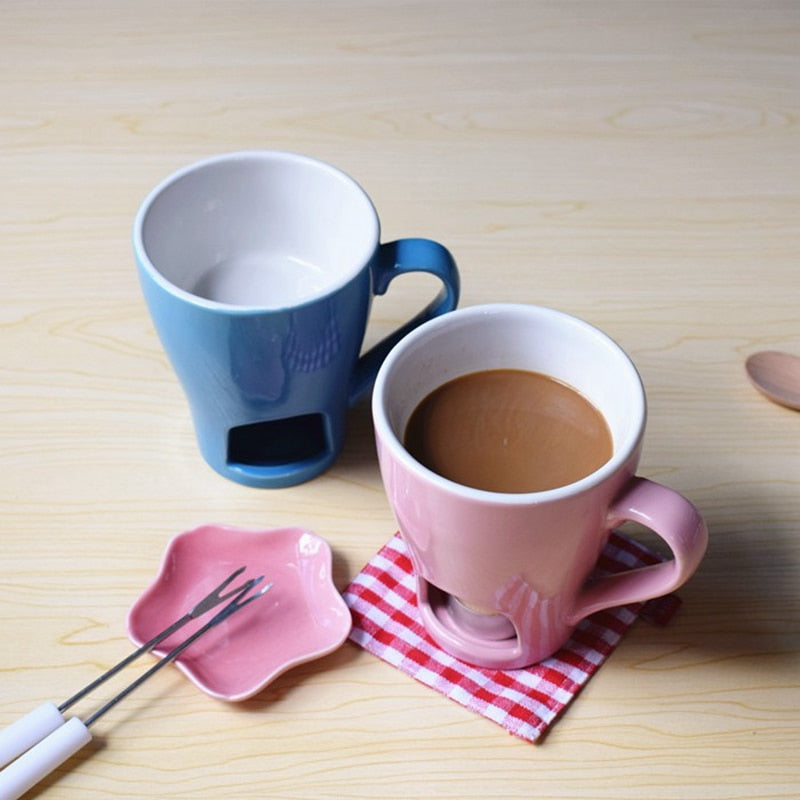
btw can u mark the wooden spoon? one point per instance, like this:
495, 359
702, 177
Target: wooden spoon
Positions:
777, 376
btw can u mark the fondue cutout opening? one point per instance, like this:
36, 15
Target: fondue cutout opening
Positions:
508, 430
277, 442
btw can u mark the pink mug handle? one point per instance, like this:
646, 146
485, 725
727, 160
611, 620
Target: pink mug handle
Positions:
676, 521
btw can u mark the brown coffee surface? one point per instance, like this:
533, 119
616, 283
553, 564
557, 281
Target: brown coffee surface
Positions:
508, 430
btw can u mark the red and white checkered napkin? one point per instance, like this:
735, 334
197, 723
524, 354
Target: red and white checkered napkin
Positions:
383, 603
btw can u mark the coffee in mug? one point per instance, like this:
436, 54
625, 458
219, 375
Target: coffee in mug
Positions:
508, 430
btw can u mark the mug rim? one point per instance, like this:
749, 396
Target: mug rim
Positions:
146, 264
385, 431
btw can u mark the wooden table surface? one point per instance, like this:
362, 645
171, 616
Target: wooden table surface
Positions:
634, 163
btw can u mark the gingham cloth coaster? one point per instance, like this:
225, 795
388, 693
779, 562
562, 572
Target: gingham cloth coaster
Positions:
383, 602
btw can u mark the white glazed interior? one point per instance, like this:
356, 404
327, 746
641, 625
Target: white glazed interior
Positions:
518, 337
278, 228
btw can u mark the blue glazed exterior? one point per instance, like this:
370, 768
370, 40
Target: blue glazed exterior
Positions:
244, 366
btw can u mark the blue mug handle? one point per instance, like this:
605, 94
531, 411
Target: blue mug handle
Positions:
399, 258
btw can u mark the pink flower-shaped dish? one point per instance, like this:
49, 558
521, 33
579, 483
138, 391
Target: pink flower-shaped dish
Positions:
302, 617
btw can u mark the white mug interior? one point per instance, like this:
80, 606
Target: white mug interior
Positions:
510, 336
259, 229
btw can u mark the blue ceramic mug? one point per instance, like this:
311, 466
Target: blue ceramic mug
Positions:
259, 269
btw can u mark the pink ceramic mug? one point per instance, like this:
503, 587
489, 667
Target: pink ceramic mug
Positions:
502, 577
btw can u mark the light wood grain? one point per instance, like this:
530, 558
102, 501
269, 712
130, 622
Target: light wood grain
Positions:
635, 163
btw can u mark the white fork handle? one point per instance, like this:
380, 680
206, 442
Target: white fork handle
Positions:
43, 758
28, 730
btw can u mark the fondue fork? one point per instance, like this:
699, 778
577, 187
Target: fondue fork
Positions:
42, 721
54, 749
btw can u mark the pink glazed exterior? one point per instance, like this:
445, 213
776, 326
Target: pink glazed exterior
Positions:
523, 557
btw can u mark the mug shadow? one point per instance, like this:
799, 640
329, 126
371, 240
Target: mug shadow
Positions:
741, 605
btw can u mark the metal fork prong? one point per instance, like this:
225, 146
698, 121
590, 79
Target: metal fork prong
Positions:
211, 600
216, 597
238, 602
262, 590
